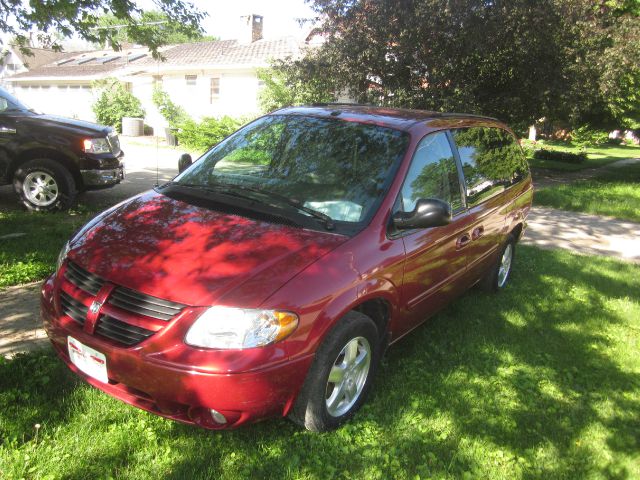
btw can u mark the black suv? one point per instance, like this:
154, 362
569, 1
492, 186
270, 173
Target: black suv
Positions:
51, 159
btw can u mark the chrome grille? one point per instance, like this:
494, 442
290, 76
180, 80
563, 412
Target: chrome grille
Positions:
121, 332
142, 304
143, 307
87, 281
73, 308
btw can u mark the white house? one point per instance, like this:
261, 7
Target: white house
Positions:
211, 78
13, 61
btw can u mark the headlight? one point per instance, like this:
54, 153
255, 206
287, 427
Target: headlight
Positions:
238, 328
61, 256
96, 145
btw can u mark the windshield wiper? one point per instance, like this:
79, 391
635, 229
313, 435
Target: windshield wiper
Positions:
230, 189
327, 220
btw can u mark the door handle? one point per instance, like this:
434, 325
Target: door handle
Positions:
7, 130
463, 241
477, 233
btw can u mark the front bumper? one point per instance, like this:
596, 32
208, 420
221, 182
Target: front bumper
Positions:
179, 391
102, 178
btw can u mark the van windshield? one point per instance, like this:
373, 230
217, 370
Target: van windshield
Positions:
334, 168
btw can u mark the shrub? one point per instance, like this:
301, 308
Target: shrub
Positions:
586, 136
558, 156
115, 102
174, 114
208, 132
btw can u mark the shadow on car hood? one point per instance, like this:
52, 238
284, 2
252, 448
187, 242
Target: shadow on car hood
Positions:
173, 250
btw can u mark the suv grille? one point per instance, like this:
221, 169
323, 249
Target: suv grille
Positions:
144, 309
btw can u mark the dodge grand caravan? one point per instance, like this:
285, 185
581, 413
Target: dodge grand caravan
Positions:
269, 276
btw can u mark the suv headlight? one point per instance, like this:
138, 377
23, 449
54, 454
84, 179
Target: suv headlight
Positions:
238, 328
96, 145
62, 255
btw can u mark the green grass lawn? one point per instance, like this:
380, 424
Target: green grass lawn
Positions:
541, 381
615, 193
33, 256
597, 156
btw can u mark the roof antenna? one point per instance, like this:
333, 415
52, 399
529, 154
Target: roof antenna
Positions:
156, 133
157, 155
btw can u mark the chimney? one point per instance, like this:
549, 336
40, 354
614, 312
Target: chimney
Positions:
251, 28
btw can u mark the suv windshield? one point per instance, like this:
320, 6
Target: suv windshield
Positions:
10, 103
328, 168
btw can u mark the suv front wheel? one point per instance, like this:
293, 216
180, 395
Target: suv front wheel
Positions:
44, 185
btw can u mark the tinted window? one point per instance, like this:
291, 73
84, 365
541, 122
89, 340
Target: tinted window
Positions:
491, 161
339, 168
432, 174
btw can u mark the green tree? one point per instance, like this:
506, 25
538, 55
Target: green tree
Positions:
286, 84
155, 24
115, 102
61, 18
519, 60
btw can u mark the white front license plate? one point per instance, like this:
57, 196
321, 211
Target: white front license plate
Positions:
90, 361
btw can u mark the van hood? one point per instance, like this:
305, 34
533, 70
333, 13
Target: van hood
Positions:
192, 255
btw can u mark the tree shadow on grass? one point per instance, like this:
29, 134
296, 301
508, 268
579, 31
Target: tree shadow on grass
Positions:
529, 383
539, 381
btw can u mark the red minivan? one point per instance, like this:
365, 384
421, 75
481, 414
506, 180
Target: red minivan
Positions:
270, 275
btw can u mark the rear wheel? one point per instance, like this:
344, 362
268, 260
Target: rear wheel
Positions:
44, 185
340, 378
498, 276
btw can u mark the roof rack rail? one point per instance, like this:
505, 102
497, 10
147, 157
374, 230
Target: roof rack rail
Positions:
343, 104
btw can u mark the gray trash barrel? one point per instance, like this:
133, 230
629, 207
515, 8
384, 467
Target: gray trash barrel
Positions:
132, 127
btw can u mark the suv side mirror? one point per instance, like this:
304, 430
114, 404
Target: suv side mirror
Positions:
428, 212
184, 162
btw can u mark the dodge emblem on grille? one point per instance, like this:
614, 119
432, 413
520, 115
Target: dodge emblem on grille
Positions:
95, 306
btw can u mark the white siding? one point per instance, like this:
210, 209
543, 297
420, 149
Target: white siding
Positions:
68, 100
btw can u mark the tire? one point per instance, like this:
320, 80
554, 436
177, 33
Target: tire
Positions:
322, 404
498, 276
44, 185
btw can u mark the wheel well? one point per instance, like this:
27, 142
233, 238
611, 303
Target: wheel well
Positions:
379, 311
46, 153
517, 231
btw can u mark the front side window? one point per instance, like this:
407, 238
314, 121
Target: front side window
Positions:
491, 161
432, 174
339, 168
191, 80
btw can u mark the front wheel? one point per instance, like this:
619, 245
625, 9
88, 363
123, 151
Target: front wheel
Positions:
340, 378
44, 185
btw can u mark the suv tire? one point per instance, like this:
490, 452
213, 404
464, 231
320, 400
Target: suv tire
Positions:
43, 185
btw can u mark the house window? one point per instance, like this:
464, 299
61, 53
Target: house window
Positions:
157, 81
215, 89
191, 80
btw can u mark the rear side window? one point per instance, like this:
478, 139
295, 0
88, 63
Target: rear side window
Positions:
432, 174
491, 161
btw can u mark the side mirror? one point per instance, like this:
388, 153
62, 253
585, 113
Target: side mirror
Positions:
184, 162
428, 212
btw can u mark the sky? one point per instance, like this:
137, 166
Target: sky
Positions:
223, 18
224, 15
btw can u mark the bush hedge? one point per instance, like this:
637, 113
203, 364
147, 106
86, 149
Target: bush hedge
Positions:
558, 156
115, 102
205, 134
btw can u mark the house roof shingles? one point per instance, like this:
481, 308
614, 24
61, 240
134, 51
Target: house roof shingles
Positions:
210, 54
